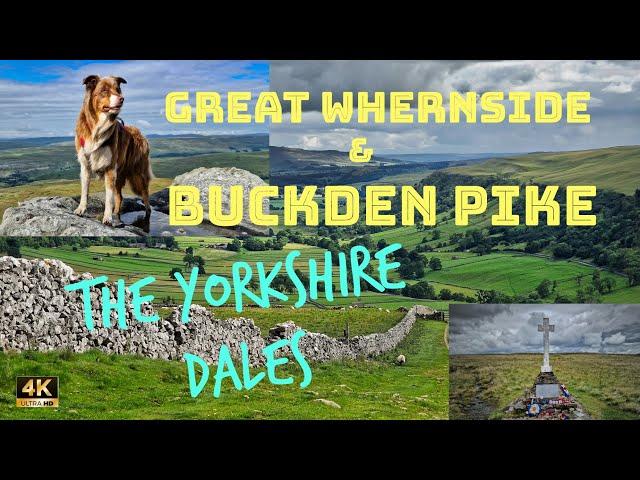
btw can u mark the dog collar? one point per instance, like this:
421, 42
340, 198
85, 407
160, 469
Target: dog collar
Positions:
81, 141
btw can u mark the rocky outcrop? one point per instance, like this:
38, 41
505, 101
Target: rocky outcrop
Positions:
53, 216
203, 177
37, 313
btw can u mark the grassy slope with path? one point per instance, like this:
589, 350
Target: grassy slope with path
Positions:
608, 386
94, 385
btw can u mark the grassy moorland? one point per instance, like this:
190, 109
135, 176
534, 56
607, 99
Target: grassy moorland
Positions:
94, 385
614, 168
608, 386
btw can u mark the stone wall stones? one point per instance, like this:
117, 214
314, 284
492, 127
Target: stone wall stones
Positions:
319, 347
36, 313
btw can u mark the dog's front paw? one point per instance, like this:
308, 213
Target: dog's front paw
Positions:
80, 210
107, 221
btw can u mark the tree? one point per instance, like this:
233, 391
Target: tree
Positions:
445, 294
608, 284
170, 243
544, 289
422, 289
562, 299
189, 260
563, 250
492, 296
254, 245
596, 281
234, 245
13, 248
587, 295
435, 235
199, 262
435, 264
173, 271
189, 251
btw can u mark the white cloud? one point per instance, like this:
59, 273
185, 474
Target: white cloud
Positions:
616, 339
618, 87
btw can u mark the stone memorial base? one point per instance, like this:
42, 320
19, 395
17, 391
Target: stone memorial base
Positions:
547, 399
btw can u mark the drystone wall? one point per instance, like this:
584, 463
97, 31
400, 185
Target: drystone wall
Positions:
36, 313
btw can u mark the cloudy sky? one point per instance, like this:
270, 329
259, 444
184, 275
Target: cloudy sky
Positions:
604, 328
43, 98
614, 106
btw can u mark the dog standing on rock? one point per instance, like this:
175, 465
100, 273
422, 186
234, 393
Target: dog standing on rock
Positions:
109, 149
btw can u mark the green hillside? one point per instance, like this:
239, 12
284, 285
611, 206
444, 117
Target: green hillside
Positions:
141, 262
26, 161
99, 386
615, 168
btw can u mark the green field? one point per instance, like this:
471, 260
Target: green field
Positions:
608, 386
159, 262
614, 168
360, 321
94, 385
513, 273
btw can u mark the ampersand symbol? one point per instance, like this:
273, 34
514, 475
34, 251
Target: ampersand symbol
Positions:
359, 154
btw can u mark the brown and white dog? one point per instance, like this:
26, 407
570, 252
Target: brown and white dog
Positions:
109, 149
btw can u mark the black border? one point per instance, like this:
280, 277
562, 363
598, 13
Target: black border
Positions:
473, 32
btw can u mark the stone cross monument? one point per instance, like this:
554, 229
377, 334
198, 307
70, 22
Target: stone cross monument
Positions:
545, 328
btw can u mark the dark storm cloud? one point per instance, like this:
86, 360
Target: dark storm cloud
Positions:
614, 106
600, 328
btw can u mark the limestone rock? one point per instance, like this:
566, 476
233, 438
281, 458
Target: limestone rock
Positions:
53, 216
203, 177
328, 403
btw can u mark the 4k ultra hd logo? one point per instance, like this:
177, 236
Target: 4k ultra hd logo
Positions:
37, 391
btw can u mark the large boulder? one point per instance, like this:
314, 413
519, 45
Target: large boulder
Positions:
53, 216
202, 178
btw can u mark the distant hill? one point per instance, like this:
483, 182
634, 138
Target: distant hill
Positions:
285, 158
23, 161
445, 157
614, 168
296, 166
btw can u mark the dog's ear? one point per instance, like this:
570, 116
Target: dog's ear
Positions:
120, 80
91, 81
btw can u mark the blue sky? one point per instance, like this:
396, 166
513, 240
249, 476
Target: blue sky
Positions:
42, 97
